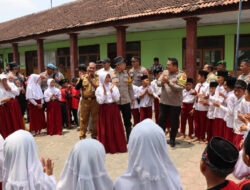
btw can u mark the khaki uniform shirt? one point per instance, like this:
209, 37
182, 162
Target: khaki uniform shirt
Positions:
88, 91
211, 77
136, 75
124, 84
246, 78
171, 94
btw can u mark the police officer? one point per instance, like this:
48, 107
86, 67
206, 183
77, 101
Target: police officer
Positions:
121, 78
88, 83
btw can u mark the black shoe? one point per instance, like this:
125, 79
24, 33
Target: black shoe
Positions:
172, 143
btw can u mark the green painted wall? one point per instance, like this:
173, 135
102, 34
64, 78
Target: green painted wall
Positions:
162, 43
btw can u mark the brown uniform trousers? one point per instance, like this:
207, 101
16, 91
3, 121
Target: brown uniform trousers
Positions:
88, 106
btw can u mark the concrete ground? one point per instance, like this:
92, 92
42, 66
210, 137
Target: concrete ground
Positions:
186, 157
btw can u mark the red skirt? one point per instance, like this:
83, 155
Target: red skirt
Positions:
136, 116
15, 114
110, 130
145, 112
37, 117
229, 134
6, 126
218, 127
237, 140
54, 118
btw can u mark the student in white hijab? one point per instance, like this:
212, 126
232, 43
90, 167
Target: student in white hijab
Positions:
1, 159
85, 168
22, 168
149, 165
34, 95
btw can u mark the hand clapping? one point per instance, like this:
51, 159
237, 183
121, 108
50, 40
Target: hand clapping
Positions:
48, 166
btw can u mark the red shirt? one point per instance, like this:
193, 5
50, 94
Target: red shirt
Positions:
75, 98
63, 94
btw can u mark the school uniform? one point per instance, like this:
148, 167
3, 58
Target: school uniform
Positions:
75, 103
110, 130
65, 108
219, 114
186, 108
157, 94
240, 108
135, 108
210, 117
54, 115
145, 104
229, 116
200, 112
34, 95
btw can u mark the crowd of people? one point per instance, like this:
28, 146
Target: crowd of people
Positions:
103, 102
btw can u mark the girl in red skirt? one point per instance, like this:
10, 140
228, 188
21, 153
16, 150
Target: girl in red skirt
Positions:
54, 116
12, 107
1, 160
110, 128
34, 95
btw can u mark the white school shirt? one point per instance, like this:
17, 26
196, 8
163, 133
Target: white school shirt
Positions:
211, 107
155, 89
14, 90
204, 87
146, 101
218, 112
187, 97
109, 97
136, 96
238, 109
229, 109
3, 94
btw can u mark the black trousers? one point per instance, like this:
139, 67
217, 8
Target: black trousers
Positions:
74, 112
65, 119
174, 113
126, 115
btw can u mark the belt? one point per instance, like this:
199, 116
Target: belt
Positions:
109, 103
90, 98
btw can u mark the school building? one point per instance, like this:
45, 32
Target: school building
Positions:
196, 32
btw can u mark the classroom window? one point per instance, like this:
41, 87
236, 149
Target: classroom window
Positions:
89, 54
244, 48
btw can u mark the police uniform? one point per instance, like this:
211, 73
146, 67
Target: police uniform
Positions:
136, 75
124, 83
88, 105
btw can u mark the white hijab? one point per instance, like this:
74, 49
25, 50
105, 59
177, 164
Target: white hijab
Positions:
1, 157
51, 90
22, 167
34, 90
149, 165
102, 78
85, 168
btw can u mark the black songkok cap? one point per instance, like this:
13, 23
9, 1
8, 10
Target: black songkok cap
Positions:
158, 70
190, 80
240, 84
230, 81
213, 83
220, 155
222, 73
118, 60
63, 81
144, 77
82, 67
13, 65
248, 87
106, 60
247, 144
203, 73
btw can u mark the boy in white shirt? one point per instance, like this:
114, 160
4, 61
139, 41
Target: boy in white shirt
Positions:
146, 98
229, 108
136, 106
200, 110
186, 108
220, 97
156, 92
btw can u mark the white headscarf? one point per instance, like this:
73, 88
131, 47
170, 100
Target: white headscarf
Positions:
51, 90
22, 167
85, 168
102, 78
14, 89
149, 165
1, 157
34, 90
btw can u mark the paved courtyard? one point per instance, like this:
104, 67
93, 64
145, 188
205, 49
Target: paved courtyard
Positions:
185, 155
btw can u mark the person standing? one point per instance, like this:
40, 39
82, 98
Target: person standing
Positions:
154, 67
34, 95
172, 82
210, 69
88, 83
137, 71
54, 116
48, 74
123, 81
106, 67
245, 68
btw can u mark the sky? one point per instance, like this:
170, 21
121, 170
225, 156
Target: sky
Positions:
11, 9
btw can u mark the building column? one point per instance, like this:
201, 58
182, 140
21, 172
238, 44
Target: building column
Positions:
73, 54
15, 53
121, 41
191, 46
40, 55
